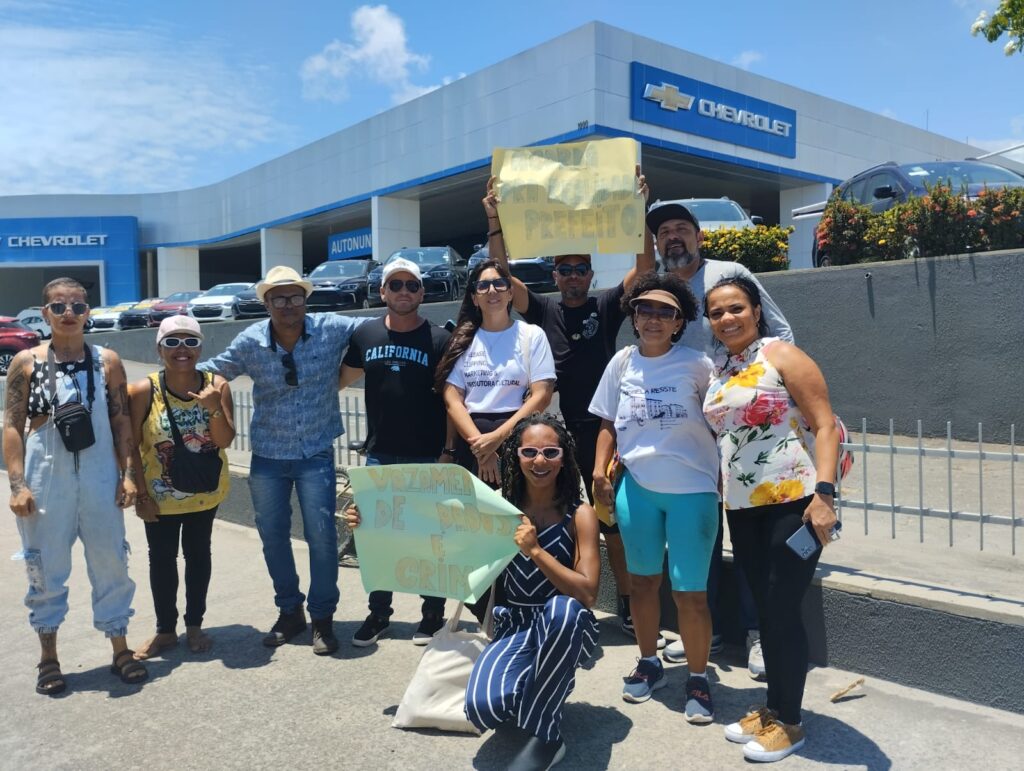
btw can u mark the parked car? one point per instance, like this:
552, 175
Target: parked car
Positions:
14, 337
33, 319
718, 213
137, 317
443, 269
217, 303
536, 273
108, 319
248, 305
173, 305
341, 284
882, 187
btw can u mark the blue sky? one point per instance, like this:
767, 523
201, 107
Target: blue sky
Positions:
113, 96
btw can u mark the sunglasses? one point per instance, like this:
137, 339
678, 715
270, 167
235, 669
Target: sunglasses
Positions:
549, 453
58, 309
484, 286
294, 300
396, 284
661, 313
291, 375
580, 269
174, 342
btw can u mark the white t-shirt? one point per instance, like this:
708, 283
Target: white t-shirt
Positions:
493, 373
657, 410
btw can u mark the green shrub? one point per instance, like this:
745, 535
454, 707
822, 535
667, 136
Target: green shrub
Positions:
761, 249
841, 231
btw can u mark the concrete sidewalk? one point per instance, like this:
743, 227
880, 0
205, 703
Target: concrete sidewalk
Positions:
246, 706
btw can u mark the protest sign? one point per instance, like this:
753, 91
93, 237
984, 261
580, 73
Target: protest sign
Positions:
431, 529
578, 198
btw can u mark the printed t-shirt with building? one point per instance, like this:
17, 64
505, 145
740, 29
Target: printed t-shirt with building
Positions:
655, 404
193, 421
582, 342
403, 413
698, 335
764, 447
492, 372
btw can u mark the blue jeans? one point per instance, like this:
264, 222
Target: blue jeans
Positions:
270, 483
380, 601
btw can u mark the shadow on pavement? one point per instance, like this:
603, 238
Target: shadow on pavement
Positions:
834, 742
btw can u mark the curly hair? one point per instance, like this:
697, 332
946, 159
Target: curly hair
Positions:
513, 482
469, 320
753, 293
668, 282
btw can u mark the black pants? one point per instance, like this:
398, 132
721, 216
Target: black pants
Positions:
194, 530
584, 434
779, 579
485, 422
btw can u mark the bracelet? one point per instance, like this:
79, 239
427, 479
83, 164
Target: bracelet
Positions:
448, 451
217, 414
494, 232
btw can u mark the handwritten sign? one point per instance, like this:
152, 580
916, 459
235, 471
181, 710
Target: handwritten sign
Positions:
578, 198
431, 529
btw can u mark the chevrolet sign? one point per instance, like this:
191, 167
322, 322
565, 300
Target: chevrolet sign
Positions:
720, 114
17, 242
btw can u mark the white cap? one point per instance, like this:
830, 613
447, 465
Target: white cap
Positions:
179, 323
401, 265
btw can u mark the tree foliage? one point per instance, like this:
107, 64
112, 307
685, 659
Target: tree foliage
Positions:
1007, 19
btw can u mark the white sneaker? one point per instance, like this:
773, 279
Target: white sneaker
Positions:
746, 728
755, 659
675, 652
774, 742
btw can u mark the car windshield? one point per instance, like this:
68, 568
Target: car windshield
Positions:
226, 289
425, 256
180, 297
960, 173
14, 325
340, 269
716, 211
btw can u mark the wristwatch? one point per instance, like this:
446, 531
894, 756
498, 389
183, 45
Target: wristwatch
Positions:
825, 488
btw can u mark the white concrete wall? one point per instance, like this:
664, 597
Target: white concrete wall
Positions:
395, 224
177, 270
801, 239
280, 247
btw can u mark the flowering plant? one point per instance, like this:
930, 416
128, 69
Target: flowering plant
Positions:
761, 249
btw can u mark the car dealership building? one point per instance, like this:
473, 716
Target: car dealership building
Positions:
415, 174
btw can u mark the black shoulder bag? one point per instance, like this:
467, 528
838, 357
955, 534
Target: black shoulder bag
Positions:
190, 472
73, 420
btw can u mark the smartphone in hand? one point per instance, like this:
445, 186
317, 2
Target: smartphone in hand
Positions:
804, 542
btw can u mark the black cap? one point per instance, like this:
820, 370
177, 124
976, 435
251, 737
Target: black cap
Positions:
662, 211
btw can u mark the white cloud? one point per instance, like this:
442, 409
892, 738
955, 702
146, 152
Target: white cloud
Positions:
746, 59
379, 52
118, 110
889, 113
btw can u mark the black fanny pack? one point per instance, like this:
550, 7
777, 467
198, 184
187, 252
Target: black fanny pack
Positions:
190, 472
73, 420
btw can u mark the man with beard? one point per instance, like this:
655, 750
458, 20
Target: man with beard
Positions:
406, 419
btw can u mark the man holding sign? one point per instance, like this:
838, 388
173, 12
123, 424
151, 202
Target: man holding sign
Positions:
581, 330
406, 421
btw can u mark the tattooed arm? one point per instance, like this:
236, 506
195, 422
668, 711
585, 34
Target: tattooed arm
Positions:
120, 426
22, 502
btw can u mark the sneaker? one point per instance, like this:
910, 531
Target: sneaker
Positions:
744, 729
774, 742
371, 629
288, 625
644, 681
755, 659
625, 616
698, 701
324, 641
675, 652
537, 755
428, 627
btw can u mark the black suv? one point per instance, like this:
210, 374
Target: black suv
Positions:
883, 186
339, 285
443, 270
537, 272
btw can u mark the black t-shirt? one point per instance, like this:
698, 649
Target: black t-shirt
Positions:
404, 415
582, 342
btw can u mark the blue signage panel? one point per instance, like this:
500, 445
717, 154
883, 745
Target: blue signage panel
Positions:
684, 104
354, 243
112, 241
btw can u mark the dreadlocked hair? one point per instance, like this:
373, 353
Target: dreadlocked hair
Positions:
513, 483
468, 322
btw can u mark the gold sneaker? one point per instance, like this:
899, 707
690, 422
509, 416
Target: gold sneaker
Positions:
747, 726
774, 742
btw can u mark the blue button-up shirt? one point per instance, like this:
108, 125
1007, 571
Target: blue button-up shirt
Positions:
291, 422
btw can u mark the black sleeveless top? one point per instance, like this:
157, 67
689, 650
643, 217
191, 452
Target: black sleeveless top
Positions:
71, 374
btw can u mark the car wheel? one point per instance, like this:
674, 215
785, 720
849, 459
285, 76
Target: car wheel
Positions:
455, 294
6, 357
365, 305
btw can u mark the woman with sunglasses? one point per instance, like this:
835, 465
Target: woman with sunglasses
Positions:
650, 404
70, 477
494, 372
179, 409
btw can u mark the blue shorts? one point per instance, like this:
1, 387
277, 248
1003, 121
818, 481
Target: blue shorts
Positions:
686, 522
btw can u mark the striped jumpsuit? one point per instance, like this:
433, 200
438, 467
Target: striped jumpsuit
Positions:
540, 638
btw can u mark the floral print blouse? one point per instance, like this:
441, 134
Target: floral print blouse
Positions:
762, 436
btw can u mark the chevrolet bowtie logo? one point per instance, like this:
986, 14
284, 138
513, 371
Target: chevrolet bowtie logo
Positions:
668, 96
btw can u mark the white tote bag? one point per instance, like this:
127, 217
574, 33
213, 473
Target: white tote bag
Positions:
436, 696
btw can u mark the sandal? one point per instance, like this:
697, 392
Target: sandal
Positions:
127, 668
50, 680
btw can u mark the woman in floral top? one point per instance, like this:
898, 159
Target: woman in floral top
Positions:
769, 406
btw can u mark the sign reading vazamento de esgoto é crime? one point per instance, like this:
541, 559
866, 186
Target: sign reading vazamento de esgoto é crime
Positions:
431, 529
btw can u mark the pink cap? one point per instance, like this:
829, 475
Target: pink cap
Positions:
178, 323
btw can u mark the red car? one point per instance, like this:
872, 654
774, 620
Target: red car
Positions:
172, 305
14, 337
